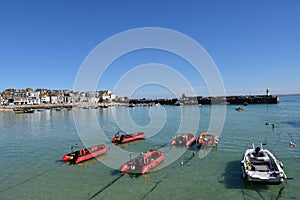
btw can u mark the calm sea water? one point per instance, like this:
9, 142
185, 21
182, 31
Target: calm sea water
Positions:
33, 144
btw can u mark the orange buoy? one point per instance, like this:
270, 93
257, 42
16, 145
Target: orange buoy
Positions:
292, 144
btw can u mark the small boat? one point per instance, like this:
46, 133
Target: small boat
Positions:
28, 110
104, 106
131, 105
260, 165
186, 140
18, 111
239, 108
123, 138
84, 154
144, 162
208, 139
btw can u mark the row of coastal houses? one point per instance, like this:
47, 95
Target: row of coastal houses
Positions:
29, 96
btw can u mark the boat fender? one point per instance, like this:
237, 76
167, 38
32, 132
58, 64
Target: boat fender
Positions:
248, 166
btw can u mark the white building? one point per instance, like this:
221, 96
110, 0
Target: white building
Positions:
20, 97
45, 98
33, 98
107, 95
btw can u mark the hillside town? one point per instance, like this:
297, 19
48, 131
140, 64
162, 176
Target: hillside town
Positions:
29, 96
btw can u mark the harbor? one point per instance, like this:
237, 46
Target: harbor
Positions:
150, 100
35, 144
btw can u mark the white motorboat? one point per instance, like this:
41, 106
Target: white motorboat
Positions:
260, 165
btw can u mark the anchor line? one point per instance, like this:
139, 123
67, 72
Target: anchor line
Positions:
107, 186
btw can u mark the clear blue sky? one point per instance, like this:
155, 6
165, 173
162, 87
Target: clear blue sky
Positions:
255, 44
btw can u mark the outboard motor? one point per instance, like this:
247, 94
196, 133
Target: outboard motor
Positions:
257, 149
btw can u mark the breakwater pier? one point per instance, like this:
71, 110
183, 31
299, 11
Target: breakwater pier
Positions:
235, 100
260, 99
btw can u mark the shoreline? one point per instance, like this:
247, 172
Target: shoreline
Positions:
229, 100
51, 106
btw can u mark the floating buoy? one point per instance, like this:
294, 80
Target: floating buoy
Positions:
181, 162
292, 144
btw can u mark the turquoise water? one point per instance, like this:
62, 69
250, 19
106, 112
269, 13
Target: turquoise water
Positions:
33, 144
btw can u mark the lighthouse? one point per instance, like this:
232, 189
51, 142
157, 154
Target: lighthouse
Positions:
268, 92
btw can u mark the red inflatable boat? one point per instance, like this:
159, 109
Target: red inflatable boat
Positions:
144, 162
123, 138
208, 139
186, 140
85, 153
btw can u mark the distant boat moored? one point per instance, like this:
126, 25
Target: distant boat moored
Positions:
103, 106
185, 140
19, 111
123, 138
239, 108
28, 110
84, 154
208, 139
144, 162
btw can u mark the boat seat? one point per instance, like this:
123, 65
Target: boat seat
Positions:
265, 159
261, 168
260, 157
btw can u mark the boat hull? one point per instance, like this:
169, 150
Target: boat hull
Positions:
260, 165
128, 138
186, 140
208, 139
143, 163
85, 154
